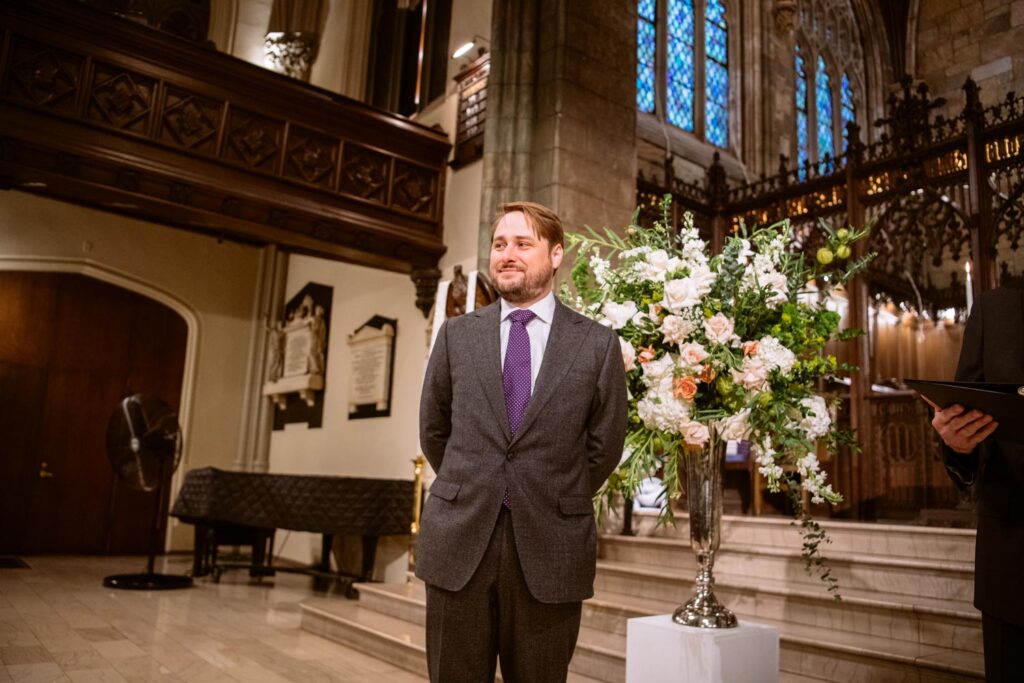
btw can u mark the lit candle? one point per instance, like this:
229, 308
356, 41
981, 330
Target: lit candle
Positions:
970, 292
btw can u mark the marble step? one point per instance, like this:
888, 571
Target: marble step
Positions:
808, 652
926, 578
599, 656
852, 538
928, 621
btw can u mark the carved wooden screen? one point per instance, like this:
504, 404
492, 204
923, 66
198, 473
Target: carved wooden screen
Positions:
945, 198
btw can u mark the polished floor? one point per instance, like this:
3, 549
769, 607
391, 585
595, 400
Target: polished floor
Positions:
58, 623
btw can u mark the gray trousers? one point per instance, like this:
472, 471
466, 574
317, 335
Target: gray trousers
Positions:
496, 618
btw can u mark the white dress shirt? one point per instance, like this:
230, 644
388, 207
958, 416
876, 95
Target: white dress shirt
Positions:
539, 328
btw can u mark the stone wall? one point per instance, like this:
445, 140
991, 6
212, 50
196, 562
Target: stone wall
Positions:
561, 126
978, 38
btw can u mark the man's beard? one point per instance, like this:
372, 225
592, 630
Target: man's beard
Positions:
529, 287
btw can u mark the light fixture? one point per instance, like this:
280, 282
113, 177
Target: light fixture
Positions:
466, 47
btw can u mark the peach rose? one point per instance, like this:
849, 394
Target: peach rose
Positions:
750, 347
707, 375
646, 354
685, 388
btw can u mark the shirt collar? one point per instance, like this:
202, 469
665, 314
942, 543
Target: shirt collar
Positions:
543, 309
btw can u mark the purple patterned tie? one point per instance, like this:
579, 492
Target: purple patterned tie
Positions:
516, 375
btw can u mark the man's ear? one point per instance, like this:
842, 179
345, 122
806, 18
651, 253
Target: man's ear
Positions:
556, 256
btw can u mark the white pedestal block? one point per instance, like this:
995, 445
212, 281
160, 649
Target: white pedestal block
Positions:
661, 651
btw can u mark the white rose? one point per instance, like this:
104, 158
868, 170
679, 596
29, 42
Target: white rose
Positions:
718, 329
658, 265
735, 427
617, 315
779, 286
628, 354
692, 354
695, 434
752, 374
676, 329
703, 277
680, 294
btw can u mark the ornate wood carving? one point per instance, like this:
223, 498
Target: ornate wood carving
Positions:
103, 111
365, 173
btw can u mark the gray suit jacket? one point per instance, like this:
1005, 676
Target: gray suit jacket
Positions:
569, 442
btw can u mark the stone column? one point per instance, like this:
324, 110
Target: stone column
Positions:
561, 126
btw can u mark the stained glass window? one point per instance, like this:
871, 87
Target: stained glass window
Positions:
823, 109
646, 49
801, 113
849, 112
681, 79
716, 70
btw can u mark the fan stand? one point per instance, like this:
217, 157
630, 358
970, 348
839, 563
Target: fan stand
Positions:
150, 580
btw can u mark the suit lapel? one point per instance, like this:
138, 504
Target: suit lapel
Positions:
487, 336
564, 343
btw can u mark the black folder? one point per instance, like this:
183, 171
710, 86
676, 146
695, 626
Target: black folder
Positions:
1004, 402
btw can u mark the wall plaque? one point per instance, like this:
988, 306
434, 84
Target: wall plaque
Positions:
372, 348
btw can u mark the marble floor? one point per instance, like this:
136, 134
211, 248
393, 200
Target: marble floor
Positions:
58, 623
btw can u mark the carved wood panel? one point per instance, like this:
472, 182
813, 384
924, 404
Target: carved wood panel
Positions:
43, 76
365, 173
311, 157
120, 98
190, 121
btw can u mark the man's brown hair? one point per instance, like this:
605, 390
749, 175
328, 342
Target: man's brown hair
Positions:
545, 223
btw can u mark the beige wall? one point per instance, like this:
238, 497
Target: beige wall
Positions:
208, 281
470, 18
380, 447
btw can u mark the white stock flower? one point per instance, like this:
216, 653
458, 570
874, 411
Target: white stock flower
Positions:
817, 421
775, 355
676, 329
617, 315
718, 329
735, 427
628, 354
680, 294
745, 252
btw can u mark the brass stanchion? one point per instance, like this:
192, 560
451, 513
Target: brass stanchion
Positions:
419, 462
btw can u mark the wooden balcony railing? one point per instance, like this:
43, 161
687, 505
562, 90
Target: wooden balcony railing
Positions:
102, 111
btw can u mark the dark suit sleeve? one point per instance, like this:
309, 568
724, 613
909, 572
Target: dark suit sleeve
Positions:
963, 469
606, 427
436, 402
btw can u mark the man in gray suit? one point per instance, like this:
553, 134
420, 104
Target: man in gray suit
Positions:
522, 417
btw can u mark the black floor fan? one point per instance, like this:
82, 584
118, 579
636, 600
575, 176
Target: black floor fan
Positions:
144, 445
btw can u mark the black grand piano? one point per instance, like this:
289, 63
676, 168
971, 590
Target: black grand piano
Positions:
245, 508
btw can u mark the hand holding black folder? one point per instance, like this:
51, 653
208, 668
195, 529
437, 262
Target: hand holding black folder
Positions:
1004, 402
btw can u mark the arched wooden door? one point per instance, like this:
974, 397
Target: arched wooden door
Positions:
71, 347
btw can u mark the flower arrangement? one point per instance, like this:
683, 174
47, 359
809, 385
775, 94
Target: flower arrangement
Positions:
730, 347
